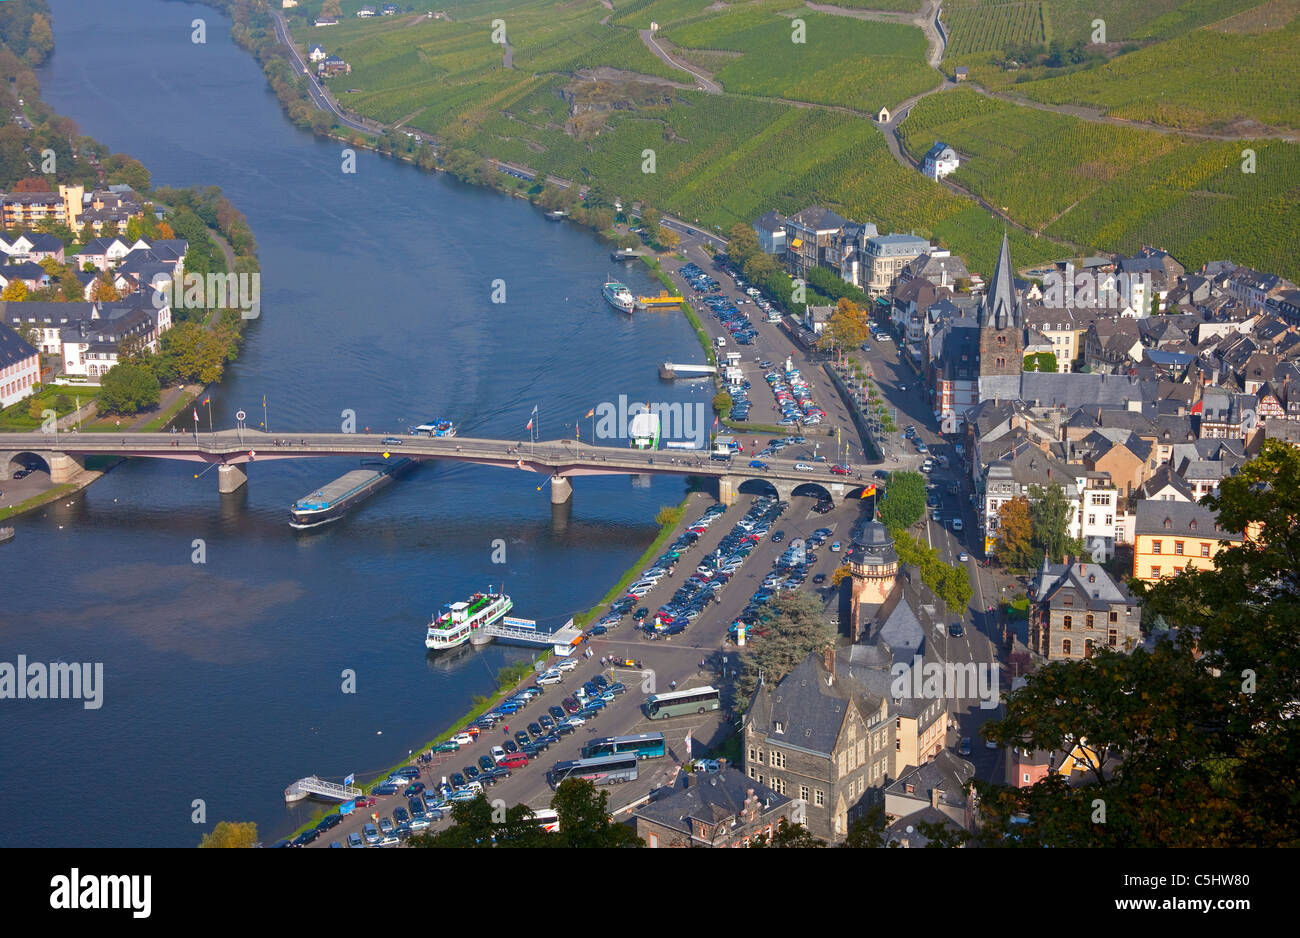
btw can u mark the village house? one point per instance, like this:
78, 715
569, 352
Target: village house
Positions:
1076, 607
1171, 536
20, 368
941, 786
31, 246
939, 161
771, 233
720, 809
884, 258
316, 53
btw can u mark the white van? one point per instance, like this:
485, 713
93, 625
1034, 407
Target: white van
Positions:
720, 342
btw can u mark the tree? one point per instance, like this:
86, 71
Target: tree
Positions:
231, 834
788, 835
15, 292
650, 220
742, 243
668, 514
1193, 743
798, 628
868, 830
1015, 542
905, 505
1043, 361
668, 238
478, 824
721, 402
1052, 513
104, 291
331, 8
759, 266
584, 818
128, 388
840, 573
32, 184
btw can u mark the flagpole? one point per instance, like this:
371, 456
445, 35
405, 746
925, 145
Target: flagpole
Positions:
209, 413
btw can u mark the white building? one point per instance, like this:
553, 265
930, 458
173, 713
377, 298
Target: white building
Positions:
939, 161
20, 368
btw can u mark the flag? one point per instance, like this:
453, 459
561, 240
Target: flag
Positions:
207, 400
869, 490
590, 413
715, 423
349, 780
530, 424
196, 415
688, 744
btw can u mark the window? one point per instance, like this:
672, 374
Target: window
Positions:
1065, 647
1192, 524
1177, 570
1168, 523
1026, 778
1092, 519
1110, 519
803, 792
752, 772
1155, 547
1155, 571
1065, 623
654, 840
1112, 637
1114, 616
1087, 621
1178, 547
753, 754
819, 797
778, 785
1205, 550
776, 759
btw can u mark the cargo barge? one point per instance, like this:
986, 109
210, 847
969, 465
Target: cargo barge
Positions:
333, 500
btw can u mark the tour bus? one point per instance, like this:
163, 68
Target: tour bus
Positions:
644, 745
680, 702
599, 770
547, 820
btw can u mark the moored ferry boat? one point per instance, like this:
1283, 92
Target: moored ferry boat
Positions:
453, 625
619, 296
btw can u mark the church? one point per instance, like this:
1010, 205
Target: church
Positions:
1002, 333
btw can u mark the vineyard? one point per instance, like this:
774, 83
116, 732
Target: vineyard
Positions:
852, 63
1204, 79
992, 28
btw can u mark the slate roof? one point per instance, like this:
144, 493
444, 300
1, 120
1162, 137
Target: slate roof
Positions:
1165, 477
712, 798
947, 772
1186, 519
1001, 307
818, 218
1085, 580
1078, 390
14, 348
772, 222
809, 709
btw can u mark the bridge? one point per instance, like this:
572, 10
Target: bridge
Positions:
564, 639
558, 460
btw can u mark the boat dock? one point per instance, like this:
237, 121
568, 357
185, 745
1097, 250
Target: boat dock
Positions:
311, 785
624, 254
6, 534
670, 370
663, 299
525, 632
332, 501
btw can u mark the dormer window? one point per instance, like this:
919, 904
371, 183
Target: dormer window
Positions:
1192, 524
779, 727
1168, 524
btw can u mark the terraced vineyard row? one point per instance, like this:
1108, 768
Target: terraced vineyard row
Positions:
986, 28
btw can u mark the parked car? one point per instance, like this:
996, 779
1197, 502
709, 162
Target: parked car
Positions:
964, 748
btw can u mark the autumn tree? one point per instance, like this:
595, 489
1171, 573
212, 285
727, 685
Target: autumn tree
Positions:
668, 238
742, 243
847, 327
16, 291
104, 290
231, 834
1015, 541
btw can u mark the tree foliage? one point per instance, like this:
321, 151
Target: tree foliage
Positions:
1052, 513
1015, 542
1193, 743
905, 504
798, 627
231, 834
128, 388
584, 818
950, 584
787, 834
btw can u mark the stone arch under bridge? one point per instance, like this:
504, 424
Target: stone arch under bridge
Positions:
60, 466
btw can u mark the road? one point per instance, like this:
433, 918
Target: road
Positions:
320, 97
705, 84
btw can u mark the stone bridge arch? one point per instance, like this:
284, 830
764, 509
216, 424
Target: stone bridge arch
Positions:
12, 461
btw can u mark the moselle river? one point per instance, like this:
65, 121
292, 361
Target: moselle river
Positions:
223, 681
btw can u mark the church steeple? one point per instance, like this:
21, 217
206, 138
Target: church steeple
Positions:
1001, 308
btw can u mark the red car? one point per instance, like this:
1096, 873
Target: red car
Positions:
841, 470
366, 802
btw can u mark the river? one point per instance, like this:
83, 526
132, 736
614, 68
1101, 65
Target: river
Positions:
223, 680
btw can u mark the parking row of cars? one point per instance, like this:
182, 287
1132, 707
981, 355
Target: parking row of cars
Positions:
789, 571
699, 281
737, 323
794, 399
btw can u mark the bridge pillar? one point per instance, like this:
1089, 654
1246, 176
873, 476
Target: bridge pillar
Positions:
5, 460
561, 490
64, 467
784, 489
230, 479
727, 490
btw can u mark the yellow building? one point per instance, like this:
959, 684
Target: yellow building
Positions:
1170, 537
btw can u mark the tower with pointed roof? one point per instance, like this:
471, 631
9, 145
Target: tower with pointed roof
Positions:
1002, 332
873, 567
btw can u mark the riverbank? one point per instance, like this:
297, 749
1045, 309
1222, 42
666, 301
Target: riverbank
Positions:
667, 526
83, 479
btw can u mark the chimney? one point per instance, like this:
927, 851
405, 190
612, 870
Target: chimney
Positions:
722, 766
936, 795
828, 659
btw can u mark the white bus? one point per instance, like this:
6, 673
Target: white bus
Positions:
681, 702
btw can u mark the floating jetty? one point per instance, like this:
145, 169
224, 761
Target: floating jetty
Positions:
557, 215
670, 370
333, 500
663, 299
563, 641
311, 785
6, 534
624, 254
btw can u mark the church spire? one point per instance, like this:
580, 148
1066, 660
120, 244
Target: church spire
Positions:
1000, 307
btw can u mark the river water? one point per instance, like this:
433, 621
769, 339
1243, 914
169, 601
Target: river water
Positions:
223, 681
